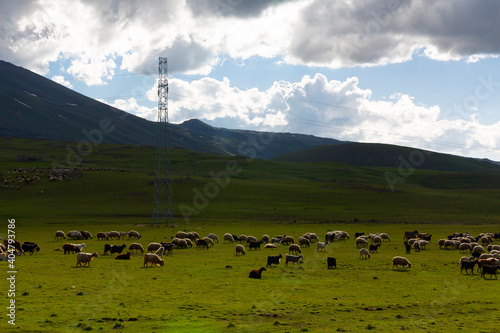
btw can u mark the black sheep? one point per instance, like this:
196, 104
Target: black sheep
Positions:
332, 262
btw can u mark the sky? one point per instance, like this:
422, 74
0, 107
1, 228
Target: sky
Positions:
418, 73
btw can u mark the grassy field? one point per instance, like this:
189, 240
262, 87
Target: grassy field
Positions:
195, 292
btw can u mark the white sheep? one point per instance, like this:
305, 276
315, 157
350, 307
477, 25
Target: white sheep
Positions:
385, 236
153, 247
136, 246
228, 237
465, 247
377, 240
293, 259
270, 246
123, 234
400, 261
321, 246
153, 259
83, 258
240, 249
60, 234
80, 246
478, 249
180, 234
213, 237
134, 234
265, 238
364, 253
113, 234
160, 252
361, 241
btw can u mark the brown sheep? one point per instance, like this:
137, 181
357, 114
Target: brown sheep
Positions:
70, 248
123, 256
256, 273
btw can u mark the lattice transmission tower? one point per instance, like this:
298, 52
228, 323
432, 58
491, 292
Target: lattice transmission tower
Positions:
162, 195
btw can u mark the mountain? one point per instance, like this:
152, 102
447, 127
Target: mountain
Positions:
32, 106
392, 156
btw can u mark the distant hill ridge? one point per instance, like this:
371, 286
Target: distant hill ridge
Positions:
385, 155
32, 106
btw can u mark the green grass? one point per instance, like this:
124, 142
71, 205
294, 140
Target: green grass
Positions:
195, 292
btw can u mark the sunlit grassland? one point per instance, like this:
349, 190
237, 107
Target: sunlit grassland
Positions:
196, 292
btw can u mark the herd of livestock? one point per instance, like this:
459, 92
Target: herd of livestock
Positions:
487, 263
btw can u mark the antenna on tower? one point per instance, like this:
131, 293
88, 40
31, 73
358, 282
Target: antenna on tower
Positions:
162, 195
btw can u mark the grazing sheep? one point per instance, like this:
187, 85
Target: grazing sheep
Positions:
201, 243
293, 259
423, 244
410, 234
70, 248
182, 244
123, 234
80, 246
265, 239
294, 249
400, 261
332, 262
441, 242
117, 248
467, 264
153, 247
60, 234
449, 244
313, 237
478, 249
180, 234
485, 240
377, 240
240, 249
228, 238
86, 234
360, 242
385, 236
133, 234
251, 239
209, 241
363, 253
288, 240
30, 247
274, 260
374, 248
491, 270
254, 245
124, 256
416, 246
153, 259
136, 247
256, 273
160, 252
303, 241
321, 246
270, 246
168, 247
465, 247
213, 237
102, 235
189, 242
83, 259
113, 234
488, 256
74, 234
242, 238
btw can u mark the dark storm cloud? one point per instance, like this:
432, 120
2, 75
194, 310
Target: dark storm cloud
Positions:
237, 8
